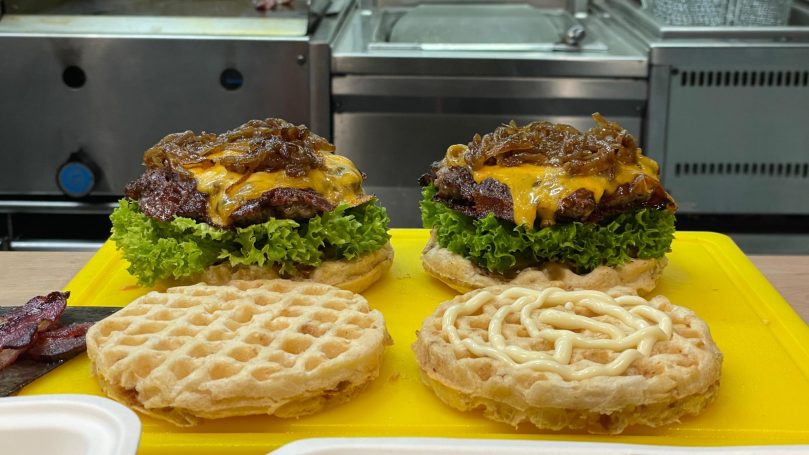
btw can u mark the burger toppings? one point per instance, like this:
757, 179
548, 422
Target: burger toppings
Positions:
258, 145
267, 194
238, 168
524, 196
598, 151
551, 171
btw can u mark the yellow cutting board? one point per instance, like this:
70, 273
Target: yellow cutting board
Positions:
764, 397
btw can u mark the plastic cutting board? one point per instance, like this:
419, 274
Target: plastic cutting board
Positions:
764, 396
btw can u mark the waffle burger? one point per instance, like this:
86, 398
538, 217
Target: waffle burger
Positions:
545, 203
266, 200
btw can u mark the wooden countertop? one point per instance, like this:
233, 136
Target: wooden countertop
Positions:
26, 274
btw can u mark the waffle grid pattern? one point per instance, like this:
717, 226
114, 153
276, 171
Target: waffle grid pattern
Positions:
218, 349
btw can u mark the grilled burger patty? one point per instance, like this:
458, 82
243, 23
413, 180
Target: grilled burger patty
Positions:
556, 158
459, 191
248, 175
163, 194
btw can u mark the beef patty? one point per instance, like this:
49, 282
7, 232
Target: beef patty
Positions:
163, 194
458, 190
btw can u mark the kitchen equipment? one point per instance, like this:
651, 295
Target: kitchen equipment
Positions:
480, 27
23, 371
725, 113
410, 78
764, 397
67, 425
720, 12
87, 86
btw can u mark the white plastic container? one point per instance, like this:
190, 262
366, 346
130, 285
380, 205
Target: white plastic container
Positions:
67, 425
446, 446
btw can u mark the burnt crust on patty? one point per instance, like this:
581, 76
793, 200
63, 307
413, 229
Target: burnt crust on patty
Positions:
163, 194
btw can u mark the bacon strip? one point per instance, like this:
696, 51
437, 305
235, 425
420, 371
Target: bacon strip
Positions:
59, 344
20, 328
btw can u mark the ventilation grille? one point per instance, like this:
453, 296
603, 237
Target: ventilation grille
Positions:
799, 170
744, 79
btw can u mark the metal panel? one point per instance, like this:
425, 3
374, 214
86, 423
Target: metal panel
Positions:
730, 54
479, 87
642, 19
320, 89
737, 140
572, 66
204, 27
136, 91
155, 8
654, 128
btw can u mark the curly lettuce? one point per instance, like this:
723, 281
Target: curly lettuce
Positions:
500, 246
182, 247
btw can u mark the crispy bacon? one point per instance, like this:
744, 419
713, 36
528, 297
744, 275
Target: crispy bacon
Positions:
19, 329
8, 356
59, 344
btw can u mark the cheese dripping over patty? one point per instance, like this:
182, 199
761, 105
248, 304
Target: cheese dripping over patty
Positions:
340, 182
537, 190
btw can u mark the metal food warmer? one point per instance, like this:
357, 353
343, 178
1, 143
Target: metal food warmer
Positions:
87, 85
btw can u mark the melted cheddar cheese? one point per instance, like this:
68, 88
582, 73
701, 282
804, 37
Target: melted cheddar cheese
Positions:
340, 182
538, 190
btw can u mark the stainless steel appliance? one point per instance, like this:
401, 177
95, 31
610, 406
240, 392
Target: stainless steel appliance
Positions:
728, 109
410, 78
87, 85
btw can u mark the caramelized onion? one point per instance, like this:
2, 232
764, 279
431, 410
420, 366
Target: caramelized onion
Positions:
265, 145
598, 150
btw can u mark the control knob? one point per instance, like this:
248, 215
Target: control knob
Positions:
77, 176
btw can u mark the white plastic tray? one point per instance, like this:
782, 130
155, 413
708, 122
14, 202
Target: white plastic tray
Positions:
67, 425
442, 446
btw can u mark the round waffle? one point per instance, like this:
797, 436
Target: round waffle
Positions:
462, 275
250, 347
569, 359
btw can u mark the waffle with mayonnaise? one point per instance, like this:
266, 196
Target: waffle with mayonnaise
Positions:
569, 359
273, 347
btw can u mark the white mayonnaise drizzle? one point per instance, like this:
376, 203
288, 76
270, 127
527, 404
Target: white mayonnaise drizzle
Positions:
554, 309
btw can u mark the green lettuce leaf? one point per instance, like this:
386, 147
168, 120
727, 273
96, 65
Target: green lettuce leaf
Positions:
181, 247
500, 246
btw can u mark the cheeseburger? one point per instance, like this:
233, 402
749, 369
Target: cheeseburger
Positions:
545, 203
266, 200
